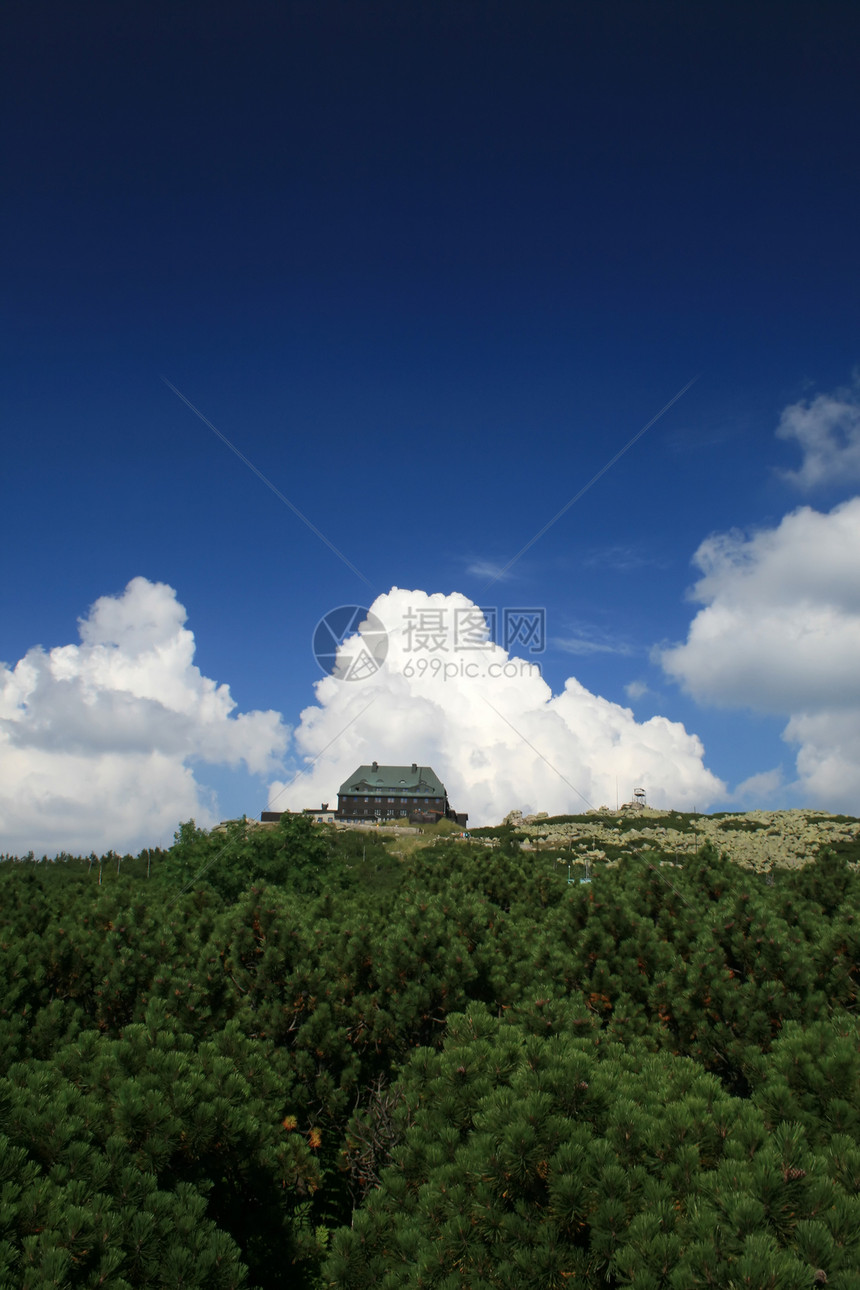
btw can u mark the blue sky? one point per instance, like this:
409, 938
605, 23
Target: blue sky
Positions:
428, 267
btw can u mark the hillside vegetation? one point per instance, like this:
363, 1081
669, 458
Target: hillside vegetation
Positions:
758, 840
291, 1058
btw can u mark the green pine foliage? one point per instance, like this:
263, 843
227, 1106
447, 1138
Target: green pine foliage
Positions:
287, 1057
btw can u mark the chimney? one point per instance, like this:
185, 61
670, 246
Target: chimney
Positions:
324, 806
415, 768
375, 766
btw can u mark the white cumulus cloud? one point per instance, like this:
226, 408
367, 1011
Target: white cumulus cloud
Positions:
780, 633
827, 428
98, 740
488, 724
760, 790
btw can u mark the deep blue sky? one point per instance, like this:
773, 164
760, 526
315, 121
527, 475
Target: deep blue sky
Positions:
429, 266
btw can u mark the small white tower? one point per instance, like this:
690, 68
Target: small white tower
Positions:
639, 797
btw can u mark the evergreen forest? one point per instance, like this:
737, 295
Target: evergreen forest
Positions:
294, 1057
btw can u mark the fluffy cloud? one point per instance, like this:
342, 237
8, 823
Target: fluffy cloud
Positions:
761, 790
780, 633
97, 740
828, 762
489, 725
827, 428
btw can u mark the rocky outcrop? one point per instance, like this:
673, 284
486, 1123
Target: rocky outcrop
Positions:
757, 840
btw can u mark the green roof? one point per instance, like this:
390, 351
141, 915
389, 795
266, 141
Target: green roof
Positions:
411, 781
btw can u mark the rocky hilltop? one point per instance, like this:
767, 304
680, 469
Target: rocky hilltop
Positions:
758, 840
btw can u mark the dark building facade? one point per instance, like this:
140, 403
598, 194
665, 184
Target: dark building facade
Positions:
390, 792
